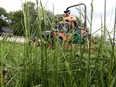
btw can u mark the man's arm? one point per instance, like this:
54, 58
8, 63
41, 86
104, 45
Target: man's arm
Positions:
66, 20
72, 18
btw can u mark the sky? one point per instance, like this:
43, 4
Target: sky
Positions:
61, 5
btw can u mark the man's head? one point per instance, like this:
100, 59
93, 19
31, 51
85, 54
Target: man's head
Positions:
67, 12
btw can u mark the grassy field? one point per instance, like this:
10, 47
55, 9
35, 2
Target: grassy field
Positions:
30, 66
57, 67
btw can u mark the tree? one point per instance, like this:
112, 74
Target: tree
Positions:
29, 10
33, 17
30, 15
59, 17
3, 23
16, 24
3, 18
48, 20
3, 12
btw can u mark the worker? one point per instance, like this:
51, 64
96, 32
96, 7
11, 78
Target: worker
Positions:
69, 20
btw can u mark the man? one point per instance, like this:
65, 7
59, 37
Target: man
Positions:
68, 17
69, 20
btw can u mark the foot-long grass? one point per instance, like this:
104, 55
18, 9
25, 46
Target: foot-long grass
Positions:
41, 66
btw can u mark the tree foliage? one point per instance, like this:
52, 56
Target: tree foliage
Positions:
3, 23
38, 17
3, 16
15, 20
3, 11
16, 23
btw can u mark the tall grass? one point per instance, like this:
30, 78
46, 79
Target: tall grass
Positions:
57, 67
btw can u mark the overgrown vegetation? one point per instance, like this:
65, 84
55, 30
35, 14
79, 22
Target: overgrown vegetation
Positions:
31, 66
